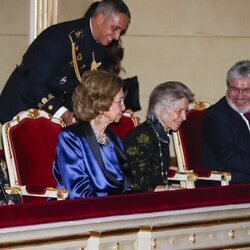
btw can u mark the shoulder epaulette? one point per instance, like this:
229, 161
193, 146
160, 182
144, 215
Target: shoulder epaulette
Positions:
75, 35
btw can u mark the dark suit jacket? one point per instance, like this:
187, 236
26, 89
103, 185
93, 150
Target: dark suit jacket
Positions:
46, 77
226, 142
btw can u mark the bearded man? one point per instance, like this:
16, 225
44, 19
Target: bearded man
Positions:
226, 129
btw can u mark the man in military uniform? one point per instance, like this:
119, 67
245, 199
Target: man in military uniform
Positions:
54, 63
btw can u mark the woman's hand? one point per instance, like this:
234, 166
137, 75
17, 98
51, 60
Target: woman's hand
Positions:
165, 188
68, 117
160, 188
10, 202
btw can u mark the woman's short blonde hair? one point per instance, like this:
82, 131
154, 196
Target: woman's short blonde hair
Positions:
95, 94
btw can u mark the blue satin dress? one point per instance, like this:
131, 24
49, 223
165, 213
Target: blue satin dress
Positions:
77, 169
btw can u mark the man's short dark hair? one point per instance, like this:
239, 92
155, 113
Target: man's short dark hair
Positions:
116, 6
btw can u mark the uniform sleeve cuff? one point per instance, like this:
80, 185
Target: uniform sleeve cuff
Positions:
60, 112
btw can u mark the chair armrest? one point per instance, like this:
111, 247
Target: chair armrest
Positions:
224, 177
206, 174
39, 191
187, 179
13, 190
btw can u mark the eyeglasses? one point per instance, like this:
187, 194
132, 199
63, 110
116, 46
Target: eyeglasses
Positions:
234, 90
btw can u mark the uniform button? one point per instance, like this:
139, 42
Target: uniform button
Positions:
44, 100
50, 107
50, 96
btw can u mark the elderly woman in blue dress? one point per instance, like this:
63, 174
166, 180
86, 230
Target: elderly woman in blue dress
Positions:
89, 159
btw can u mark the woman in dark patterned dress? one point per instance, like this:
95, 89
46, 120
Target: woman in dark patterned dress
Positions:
147, 146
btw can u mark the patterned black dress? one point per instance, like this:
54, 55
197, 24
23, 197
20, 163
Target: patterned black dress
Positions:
147, 149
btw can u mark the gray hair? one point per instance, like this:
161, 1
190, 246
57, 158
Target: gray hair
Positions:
113, 6
240, 70
165, 95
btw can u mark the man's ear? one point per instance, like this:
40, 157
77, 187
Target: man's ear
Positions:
100, 17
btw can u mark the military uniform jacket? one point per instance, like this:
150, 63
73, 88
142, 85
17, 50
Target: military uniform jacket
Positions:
47, 77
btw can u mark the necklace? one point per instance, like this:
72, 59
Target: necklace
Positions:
163, 170
162, 134
163, 137
102, 139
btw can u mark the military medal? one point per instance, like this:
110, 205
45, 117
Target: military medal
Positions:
93, 64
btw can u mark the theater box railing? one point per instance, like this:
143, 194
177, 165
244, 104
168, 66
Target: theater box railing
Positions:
202, 218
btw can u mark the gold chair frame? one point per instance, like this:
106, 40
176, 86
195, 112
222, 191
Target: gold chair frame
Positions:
223, 177
15, 187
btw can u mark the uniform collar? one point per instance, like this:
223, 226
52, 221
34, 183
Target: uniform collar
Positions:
91, 29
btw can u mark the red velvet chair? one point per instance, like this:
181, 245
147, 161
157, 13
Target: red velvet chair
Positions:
29, 142
187, 144
126, 124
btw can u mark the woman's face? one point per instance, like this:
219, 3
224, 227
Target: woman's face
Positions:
117, 108
175, 115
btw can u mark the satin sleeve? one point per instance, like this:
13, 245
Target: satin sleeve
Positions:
69, 166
